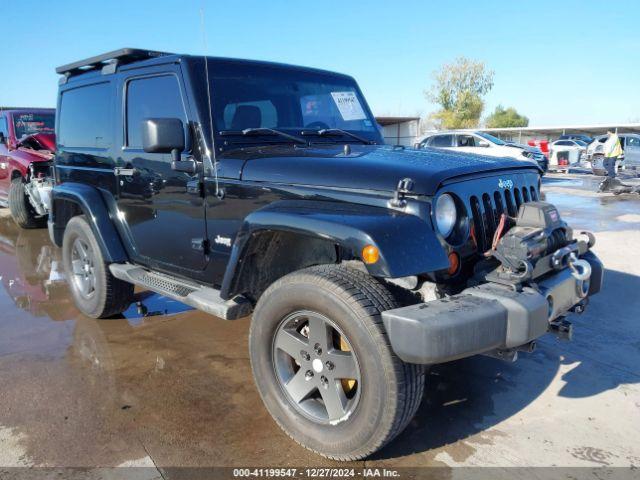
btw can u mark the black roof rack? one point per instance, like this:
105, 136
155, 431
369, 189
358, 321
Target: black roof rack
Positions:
123, 55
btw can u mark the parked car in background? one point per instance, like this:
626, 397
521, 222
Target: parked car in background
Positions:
484, 144
543, 145
632, 151
574, 136
27, 143
564, 154
630, 158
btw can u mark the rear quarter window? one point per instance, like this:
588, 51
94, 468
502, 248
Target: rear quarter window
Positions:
85, 117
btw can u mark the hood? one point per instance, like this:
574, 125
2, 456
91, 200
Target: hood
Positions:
526, 148
365, 167
39, 141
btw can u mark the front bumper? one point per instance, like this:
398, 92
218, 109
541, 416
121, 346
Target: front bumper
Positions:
487, 317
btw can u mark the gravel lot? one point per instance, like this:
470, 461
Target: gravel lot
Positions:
174, 387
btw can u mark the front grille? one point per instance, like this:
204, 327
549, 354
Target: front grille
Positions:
487, 208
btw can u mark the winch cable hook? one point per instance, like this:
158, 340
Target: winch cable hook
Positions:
580, 269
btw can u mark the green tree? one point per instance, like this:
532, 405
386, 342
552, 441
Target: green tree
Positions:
506, 117
459, 88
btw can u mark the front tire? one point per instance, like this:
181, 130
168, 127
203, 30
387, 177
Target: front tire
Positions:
21, 210
323, 364
97, 293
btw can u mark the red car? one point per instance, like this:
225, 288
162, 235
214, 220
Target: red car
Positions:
27, 143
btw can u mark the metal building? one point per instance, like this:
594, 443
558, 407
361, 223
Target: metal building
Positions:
399, 130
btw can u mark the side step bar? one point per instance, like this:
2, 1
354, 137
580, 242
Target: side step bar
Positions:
206, 299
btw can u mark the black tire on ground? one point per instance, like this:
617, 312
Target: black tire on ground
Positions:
105, 295
21, 210
390, 391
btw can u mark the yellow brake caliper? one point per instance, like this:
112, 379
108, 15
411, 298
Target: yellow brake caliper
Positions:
347, 383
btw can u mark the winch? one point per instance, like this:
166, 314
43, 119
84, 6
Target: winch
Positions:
534, 243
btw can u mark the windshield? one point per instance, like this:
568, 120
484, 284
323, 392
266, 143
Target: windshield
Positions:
491, 138
250, 96
31, 123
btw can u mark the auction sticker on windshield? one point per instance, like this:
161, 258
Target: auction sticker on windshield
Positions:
348, 105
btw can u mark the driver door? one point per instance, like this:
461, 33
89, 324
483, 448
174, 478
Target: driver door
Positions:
162, 209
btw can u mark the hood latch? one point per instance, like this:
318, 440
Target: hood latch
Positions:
405, 187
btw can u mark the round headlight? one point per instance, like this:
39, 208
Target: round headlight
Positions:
446, 214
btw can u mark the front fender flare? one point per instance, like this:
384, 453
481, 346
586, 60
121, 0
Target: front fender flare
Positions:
92, 204
407, 243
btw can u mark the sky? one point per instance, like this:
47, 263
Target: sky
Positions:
557, 62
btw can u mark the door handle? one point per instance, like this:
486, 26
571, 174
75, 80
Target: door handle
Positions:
124, 172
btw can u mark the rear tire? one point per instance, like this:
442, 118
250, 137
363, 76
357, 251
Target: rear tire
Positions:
21, 210
97, 293
376, 407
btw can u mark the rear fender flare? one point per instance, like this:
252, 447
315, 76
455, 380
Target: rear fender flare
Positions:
92, 204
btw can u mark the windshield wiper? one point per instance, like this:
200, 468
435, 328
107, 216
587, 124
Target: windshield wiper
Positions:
326, 132
263, 131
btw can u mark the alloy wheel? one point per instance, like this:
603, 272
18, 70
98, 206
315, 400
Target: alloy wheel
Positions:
316, 367
82, 265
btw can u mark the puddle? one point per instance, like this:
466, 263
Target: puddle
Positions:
582, 208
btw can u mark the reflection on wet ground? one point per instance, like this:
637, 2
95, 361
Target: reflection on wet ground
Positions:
583, 208
171, 386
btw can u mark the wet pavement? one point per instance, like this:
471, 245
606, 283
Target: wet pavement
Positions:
169, 386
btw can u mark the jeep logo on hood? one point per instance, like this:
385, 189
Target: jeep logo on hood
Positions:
505, 183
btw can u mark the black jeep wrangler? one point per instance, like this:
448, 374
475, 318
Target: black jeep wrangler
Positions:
239, 186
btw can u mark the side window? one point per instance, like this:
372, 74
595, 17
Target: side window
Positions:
633, 142
441, 141
85, 117
255, 114
466, 141
4, 130
151, 97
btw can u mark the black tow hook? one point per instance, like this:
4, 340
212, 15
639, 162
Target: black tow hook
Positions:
561, 328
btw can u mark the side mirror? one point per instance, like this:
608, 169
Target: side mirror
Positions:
163, 135
483, 144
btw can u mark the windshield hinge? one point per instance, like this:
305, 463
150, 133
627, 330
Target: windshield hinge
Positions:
201, 245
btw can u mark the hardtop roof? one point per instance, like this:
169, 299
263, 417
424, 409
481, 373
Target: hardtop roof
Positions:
110, 61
